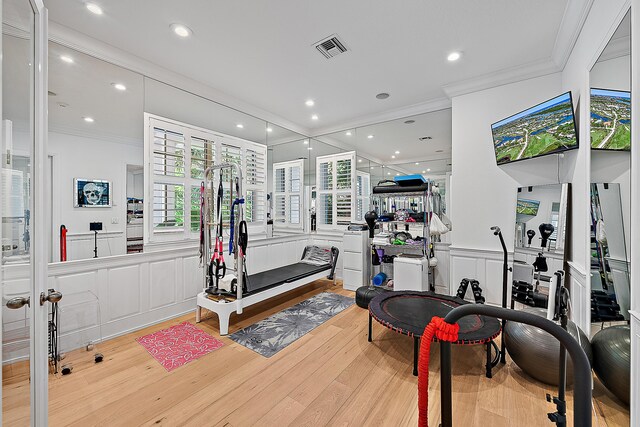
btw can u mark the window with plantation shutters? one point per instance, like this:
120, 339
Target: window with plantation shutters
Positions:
363, 194
288, 187
336, 189
176, 157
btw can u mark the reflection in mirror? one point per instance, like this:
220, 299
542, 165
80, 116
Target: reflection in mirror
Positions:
95, 133
540, 228
610, 80
289, 190
609, 267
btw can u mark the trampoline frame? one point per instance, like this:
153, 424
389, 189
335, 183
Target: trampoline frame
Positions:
489, 342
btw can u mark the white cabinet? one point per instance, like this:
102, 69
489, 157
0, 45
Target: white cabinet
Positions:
355, 250
410, 274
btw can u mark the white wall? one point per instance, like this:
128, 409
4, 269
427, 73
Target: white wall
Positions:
86, 157
485, 194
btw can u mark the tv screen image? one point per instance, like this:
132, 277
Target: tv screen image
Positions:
91, 193
527, 207
610, 119
546, 128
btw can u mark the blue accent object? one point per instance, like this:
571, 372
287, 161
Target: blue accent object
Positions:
409, 180
231, 223
379, 279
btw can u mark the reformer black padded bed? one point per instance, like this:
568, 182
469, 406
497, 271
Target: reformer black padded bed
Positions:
408, 313
315, 263
287, 274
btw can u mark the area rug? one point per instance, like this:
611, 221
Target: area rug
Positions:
274, 333
179, 345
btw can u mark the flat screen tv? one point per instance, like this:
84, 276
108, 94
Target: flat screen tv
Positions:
546, 128
610, 119
91, 193
527, 207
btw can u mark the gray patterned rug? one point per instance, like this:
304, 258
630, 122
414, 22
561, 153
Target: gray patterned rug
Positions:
274, 333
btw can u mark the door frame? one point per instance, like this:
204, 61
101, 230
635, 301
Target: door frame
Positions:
38, 313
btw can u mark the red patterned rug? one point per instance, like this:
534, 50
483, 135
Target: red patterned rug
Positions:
179, 345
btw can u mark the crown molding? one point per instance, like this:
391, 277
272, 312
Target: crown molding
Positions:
83, 43
509, 75
616, 48
394, 114
575, 15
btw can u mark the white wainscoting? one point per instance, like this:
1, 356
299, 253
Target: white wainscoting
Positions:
635, 368
80, 245
580, 290
484, 266
106, 297
443, 269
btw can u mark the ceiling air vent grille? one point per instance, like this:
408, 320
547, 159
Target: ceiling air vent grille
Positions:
331, 46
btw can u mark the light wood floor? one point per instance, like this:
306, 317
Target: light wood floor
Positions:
331, 376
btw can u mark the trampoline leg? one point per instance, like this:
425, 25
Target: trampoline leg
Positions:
369, 328
416, 346
489, 364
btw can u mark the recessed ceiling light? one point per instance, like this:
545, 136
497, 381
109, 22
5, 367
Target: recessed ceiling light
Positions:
397, 152
424, 171
371, 167
240, 126
119, 86
306, 141
382, 95
269, 130
309, 148
388, 173
88, 119
393, 157
309, 103
348, 133
417, 163
397, 174
67, 59
181, 30
314, 117
428, 170
408, 122
370, 136
94, 8
454, 56
359, 160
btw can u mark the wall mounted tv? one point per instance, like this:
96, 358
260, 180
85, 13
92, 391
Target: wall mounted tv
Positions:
543, 129
610, 119
527, 207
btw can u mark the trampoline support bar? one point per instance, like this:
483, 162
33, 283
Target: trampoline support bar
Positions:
581, 371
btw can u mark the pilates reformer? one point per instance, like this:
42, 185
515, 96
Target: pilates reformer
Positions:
225, 293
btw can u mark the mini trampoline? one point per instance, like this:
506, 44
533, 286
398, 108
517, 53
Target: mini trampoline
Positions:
408, 313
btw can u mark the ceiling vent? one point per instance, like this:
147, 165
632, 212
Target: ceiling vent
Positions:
331, 46
425, 138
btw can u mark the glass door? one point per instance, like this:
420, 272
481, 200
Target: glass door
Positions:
23, 274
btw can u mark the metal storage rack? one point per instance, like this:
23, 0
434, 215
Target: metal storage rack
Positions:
392, 201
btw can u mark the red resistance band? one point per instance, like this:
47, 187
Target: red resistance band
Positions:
63, 243
443, 331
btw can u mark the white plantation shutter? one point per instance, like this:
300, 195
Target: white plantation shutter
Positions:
176, 157
288, 186
336, 187
363, 194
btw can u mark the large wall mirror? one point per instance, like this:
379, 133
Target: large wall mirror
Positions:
540, 233
610, 190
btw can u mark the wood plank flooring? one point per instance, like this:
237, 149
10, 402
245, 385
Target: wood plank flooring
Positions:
331, 376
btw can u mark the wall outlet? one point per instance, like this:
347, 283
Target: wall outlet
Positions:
114, 220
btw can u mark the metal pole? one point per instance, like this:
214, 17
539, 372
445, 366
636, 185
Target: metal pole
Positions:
581, 366
505, 273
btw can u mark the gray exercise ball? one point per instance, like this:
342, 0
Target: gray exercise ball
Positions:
612, 360
537, 352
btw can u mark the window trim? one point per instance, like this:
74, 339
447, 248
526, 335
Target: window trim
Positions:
334, 191
287, 193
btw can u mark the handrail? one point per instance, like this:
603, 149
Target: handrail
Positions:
581, 367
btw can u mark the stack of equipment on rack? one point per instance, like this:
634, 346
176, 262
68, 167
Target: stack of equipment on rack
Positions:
604, 308
524, 293
475, 288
